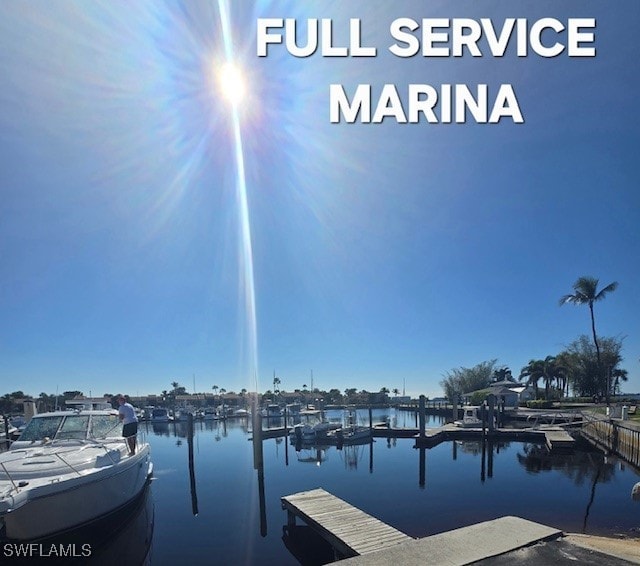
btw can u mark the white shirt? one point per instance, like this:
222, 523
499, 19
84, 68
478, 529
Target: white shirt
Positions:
128, 414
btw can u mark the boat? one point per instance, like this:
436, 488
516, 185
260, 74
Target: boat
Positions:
160, 415
182, 415
350, 432
293, 409
305, 432
66, 469
272, 410
309, 410
470, 418
210, 414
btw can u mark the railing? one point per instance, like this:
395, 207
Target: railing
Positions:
549, 418
617, 436
16, 486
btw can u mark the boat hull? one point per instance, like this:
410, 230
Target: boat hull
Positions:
63, 505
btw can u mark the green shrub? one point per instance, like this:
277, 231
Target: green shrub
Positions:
539, 404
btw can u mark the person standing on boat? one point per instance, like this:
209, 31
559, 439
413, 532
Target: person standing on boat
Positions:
129, 420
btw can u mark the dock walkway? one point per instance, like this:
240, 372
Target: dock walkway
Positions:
349, 530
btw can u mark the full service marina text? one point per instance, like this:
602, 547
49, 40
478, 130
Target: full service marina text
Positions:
436, 38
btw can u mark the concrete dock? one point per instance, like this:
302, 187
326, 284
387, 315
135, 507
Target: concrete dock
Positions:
463, 546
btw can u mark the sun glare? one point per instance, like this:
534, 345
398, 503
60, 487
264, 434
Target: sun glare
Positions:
231, 83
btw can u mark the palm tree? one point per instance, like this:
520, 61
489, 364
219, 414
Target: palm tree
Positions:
533, 371
276, 382
586, 293
395, 391
502, 374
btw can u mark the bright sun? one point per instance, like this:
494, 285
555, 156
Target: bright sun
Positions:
231, 83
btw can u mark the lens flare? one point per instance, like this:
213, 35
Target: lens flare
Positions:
233, 83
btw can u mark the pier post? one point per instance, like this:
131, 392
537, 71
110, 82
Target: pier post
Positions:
6, 431
492, 402
422, 418
370, 419
257, 437
454, 401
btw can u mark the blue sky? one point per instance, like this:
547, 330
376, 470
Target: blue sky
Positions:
381, 254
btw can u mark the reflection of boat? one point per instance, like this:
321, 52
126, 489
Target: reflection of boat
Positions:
68, 468
124, 536
312, 455
470, 418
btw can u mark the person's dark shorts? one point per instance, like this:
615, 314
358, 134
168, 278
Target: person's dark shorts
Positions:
130, 429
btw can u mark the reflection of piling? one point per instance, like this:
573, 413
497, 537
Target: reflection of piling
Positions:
490, 459
484, 459
371, 456
258, 464
423, 460
422, 416
455, 450
263, 507
192, 473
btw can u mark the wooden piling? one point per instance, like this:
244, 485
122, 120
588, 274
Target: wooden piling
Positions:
422, 415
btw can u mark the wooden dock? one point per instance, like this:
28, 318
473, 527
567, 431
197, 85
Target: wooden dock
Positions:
350, 531
554, 437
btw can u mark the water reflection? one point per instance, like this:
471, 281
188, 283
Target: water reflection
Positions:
589, 468
123, 537
247, 477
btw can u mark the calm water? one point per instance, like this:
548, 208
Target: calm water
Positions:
224, 513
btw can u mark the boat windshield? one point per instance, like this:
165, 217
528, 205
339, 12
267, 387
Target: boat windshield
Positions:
73, 426
41, 427
103, 426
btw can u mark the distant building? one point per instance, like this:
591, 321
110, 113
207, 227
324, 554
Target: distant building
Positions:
88, 404
512, 392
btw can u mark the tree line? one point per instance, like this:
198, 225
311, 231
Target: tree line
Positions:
587, 367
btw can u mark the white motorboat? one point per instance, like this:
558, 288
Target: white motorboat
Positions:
470, 418
305, 432
67, 469
350, 432
210, 414
272, 410
160, 415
